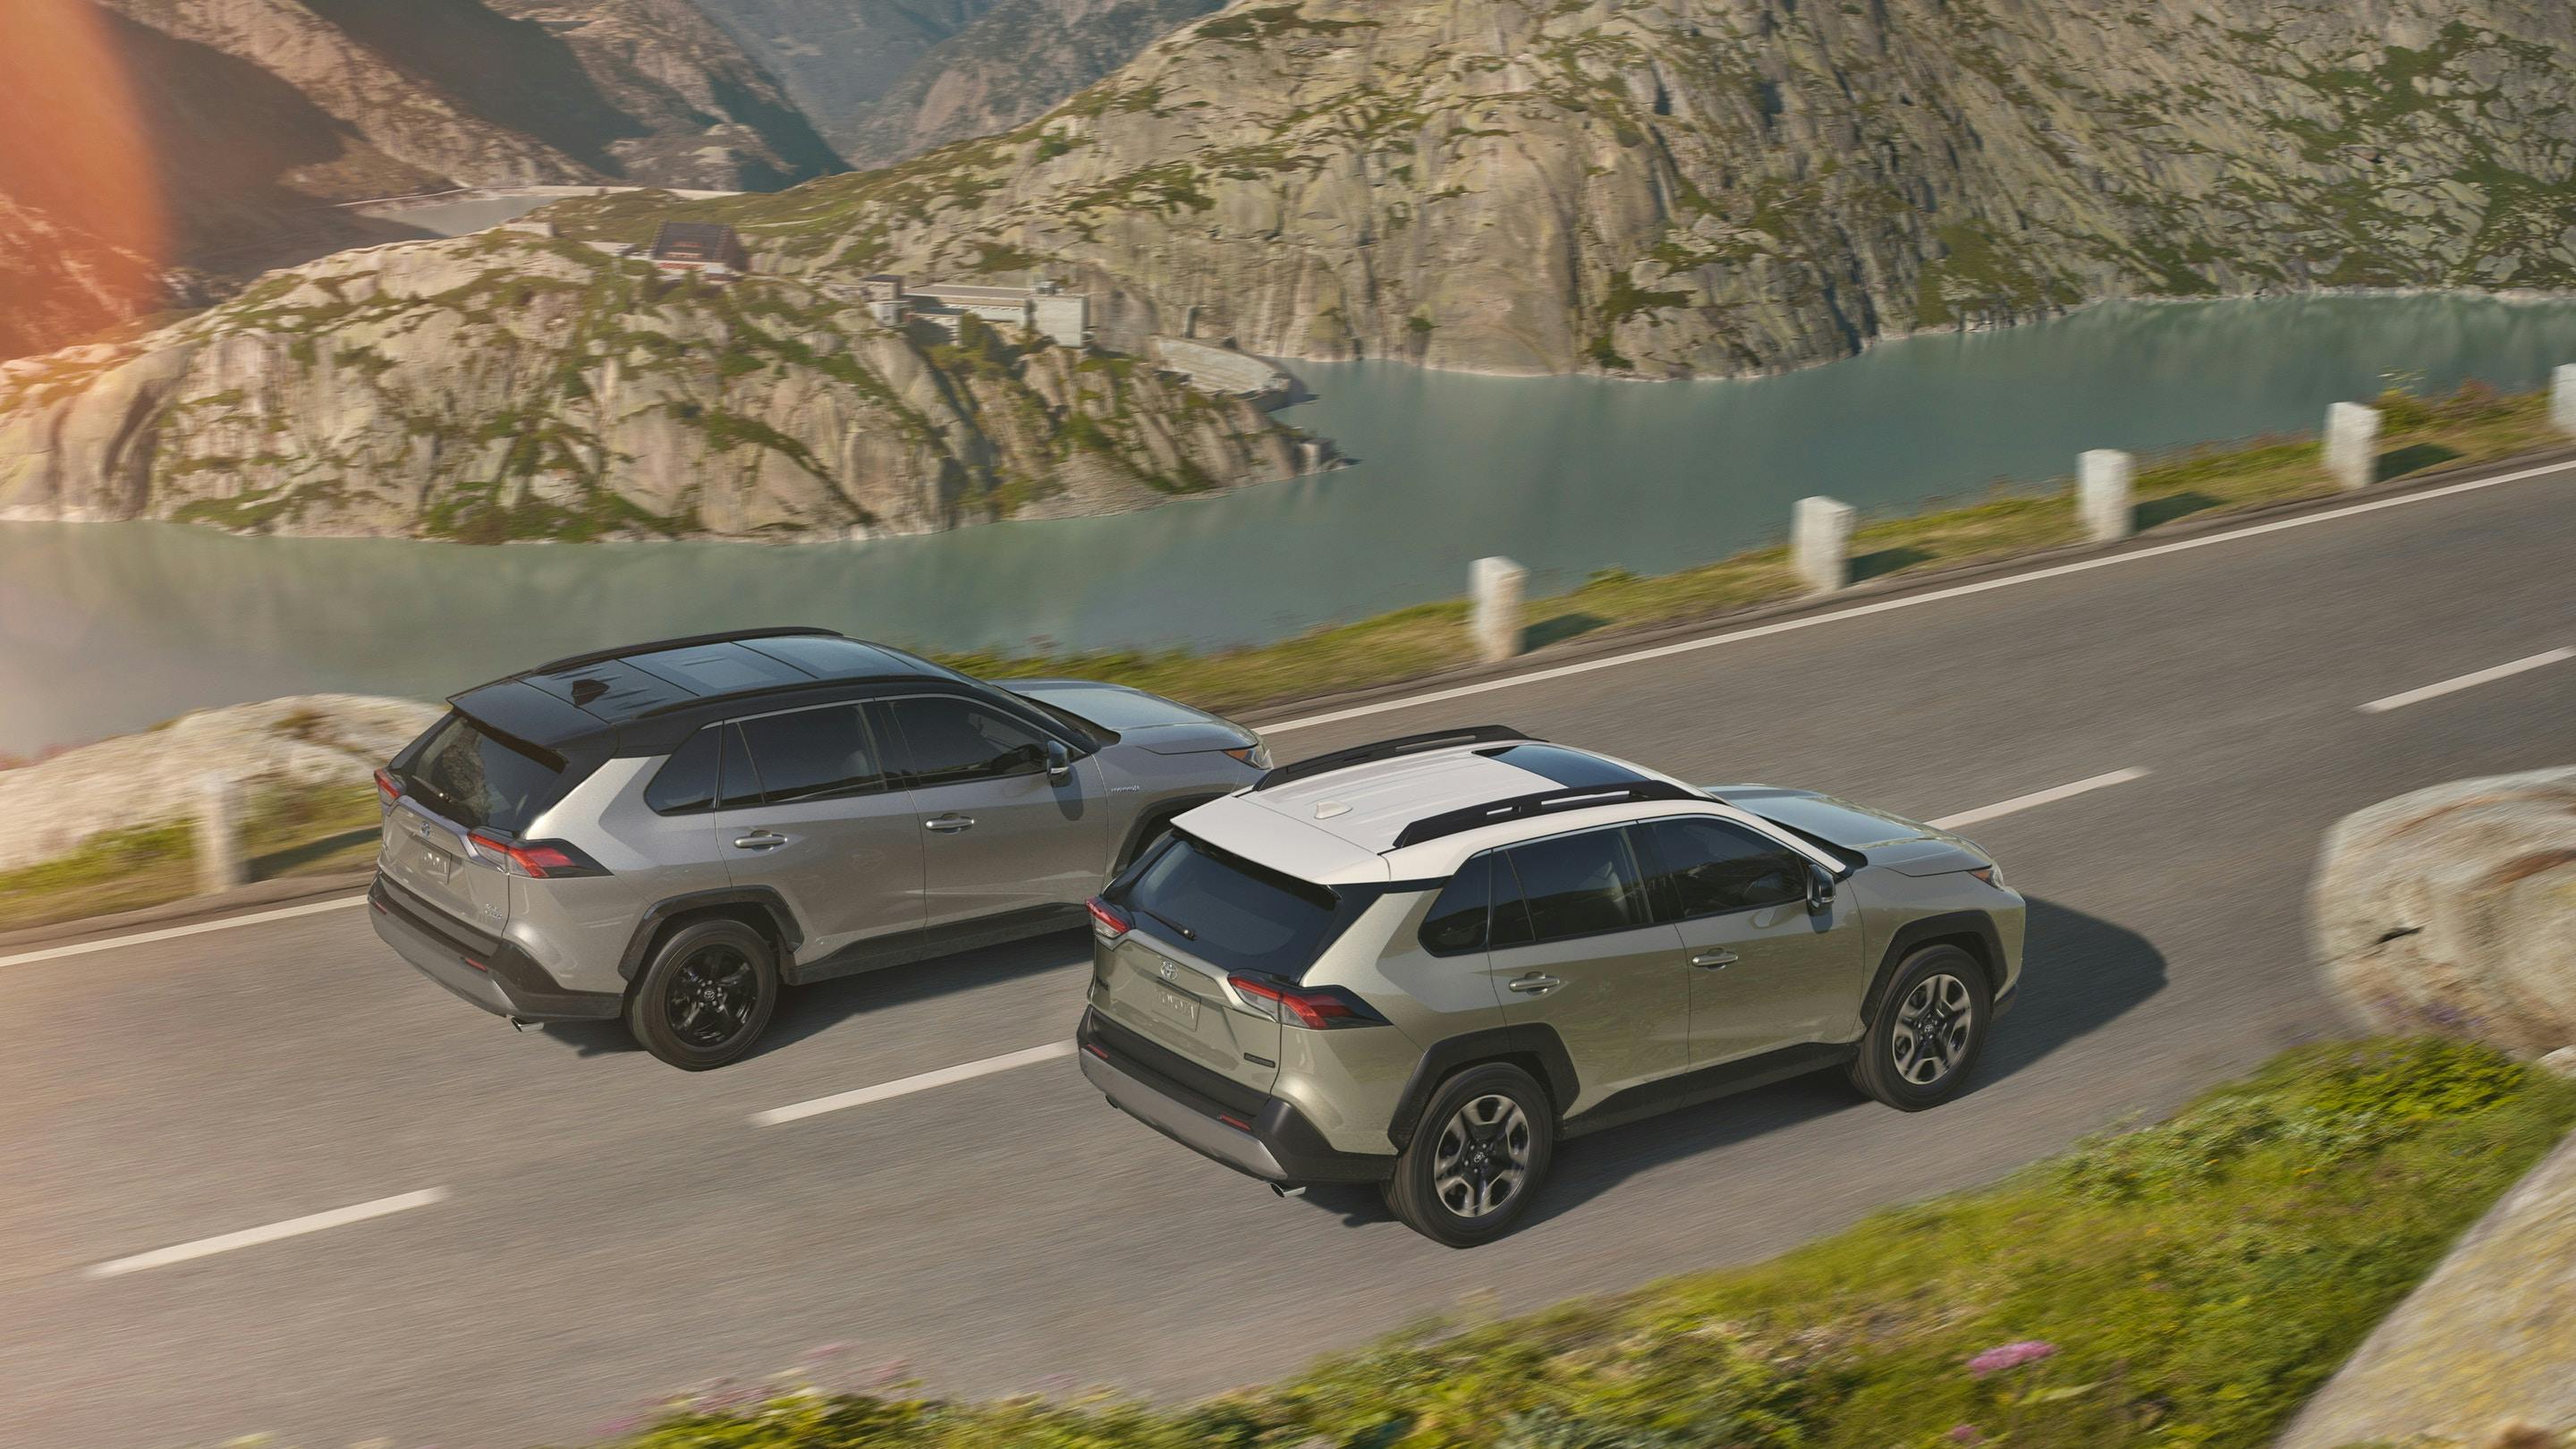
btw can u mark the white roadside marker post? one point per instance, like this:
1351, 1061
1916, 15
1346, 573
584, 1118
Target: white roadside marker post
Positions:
1820, 543
2352, 445
1495, 585
2102, 494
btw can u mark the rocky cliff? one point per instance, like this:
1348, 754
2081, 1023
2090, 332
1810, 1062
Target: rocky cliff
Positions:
1679, 187
889, 79
512, 386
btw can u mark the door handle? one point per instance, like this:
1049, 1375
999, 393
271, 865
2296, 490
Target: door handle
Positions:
1715, 960
760, 840
1535, 985
949, 824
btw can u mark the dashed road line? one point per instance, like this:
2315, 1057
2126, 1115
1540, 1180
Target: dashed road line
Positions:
172, 933
253, 1237
2035, 799
906, 1086
2468, 681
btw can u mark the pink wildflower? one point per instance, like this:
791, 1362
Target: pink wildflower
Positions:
1967, 1434
2010, 1356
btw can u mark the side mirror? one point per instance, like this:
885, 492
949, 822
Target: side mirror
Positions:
1059, 761
1820, 890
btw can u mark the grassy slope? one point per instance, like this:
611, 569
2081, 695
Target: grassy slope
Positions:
291, 833
2195, 1280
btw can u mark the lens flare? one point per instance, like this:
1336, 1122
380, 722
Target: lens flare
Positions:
80, 207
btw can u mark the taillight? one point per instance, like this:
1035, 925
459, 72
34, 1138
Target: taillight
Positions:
388, 789
534, 859
1316, 1008
1107, 921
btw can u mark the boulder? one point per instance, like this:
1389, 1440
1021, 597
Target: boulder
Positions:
149, 779
2453, 910
2483, 1343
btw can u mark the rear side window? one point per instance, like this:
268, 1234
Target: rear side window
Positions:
812, 754
1576, 885
1456, 924
687, 781
1706, 867
1233, 913
481, 781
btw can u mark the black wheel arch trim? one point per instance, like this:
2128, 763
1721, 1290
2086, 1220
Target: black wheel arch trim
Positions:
764, 899
1914, 934
1535, 1041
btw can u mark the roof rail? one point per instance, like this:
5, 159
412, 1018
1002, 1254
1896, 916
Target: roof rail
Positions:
1521, 807
598, 656
1388, 750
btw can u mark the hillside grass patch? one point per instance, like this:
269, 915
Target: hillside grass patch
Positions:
2183, 1284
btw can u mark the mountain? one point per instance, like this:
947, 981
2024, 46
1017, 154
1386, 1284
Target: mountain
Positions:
889, 79
508, 385
1696, 187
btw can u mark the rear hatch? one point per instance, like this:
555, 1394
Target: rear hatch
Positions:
458, 778
1199, 915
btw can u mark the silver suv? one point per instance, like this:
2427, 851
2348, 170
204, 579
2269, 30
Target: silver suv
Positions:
670, 833
1424, 962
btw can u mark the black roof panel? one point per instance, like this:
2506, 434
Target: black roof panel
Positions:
831, 657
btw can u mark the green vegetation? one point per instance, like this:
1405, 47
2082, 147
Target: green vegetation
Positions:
2187, 1284
2476, 424
305, 830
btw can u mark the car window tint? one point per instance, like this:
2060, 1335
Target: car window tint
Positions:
1707, 867
1457, 920
737, 779
479, 780
951, 741
811, 754
687, 780
1233, 913
1580, 885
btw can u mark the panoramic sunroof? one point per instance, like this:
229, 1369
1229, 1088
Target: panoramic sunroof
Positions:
1571, 768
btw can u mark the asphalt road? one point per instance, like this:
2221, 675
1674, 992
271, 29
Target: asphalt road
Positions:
593, 1230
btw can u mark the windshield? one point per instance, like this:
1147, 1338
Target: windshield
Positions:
1233, 913
479, 780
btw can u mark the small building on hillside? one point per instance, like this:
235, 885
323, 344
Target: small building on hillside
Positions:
710, 249
1045, 309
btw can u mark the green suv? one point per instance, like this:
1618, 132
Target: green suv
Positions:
1424, 962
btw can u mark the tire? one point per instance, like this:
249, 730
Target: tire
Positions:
1898, 1064
1431, 1184
724, 969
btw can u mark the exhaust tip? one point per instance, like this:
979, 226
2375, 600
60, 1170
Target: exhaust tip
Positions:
1282, 1189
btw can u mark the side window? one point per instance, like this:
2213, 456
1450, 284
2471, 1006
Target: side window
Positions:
1580, 885
686, 783
952, 741
1708, 867
812, 754
1456, 924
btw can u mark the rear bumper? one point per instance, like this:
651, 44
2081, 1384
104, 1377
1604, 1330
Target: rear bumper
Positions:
1274, 1141
485, 970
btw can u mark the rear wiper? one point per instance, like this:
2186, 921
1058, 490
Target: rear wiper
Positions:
1186, 933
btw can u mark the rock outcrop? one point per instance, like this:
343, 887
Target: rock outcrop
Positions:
2454, 910
141, 780
1694, 187
2488, 1340
511, 386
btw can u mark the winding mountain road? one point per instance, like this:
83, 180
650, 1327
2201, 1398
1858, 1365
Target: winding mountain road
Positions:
265, 1177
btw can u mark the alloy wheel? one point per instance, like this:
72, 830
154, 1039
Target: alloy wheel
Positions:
711, 997
1932, 1028
1483, 1156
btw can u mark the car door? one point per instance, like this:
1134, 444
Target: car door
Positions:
999, 832
1765, 972
810, 808
1575, 946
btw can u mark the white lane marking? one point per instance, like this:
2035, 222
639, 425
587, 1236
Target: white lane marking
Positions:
906, 1086
2467, 681
172, 933
253, 1237
2035, 799
1883, 606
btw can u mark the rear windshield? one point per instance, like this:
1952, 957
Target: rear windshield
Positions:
1233, 913
479, 780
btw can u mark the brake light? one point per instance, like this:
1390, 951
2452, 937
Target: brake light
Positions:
388, 789
1314, 1008
534, 859
1107, 921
